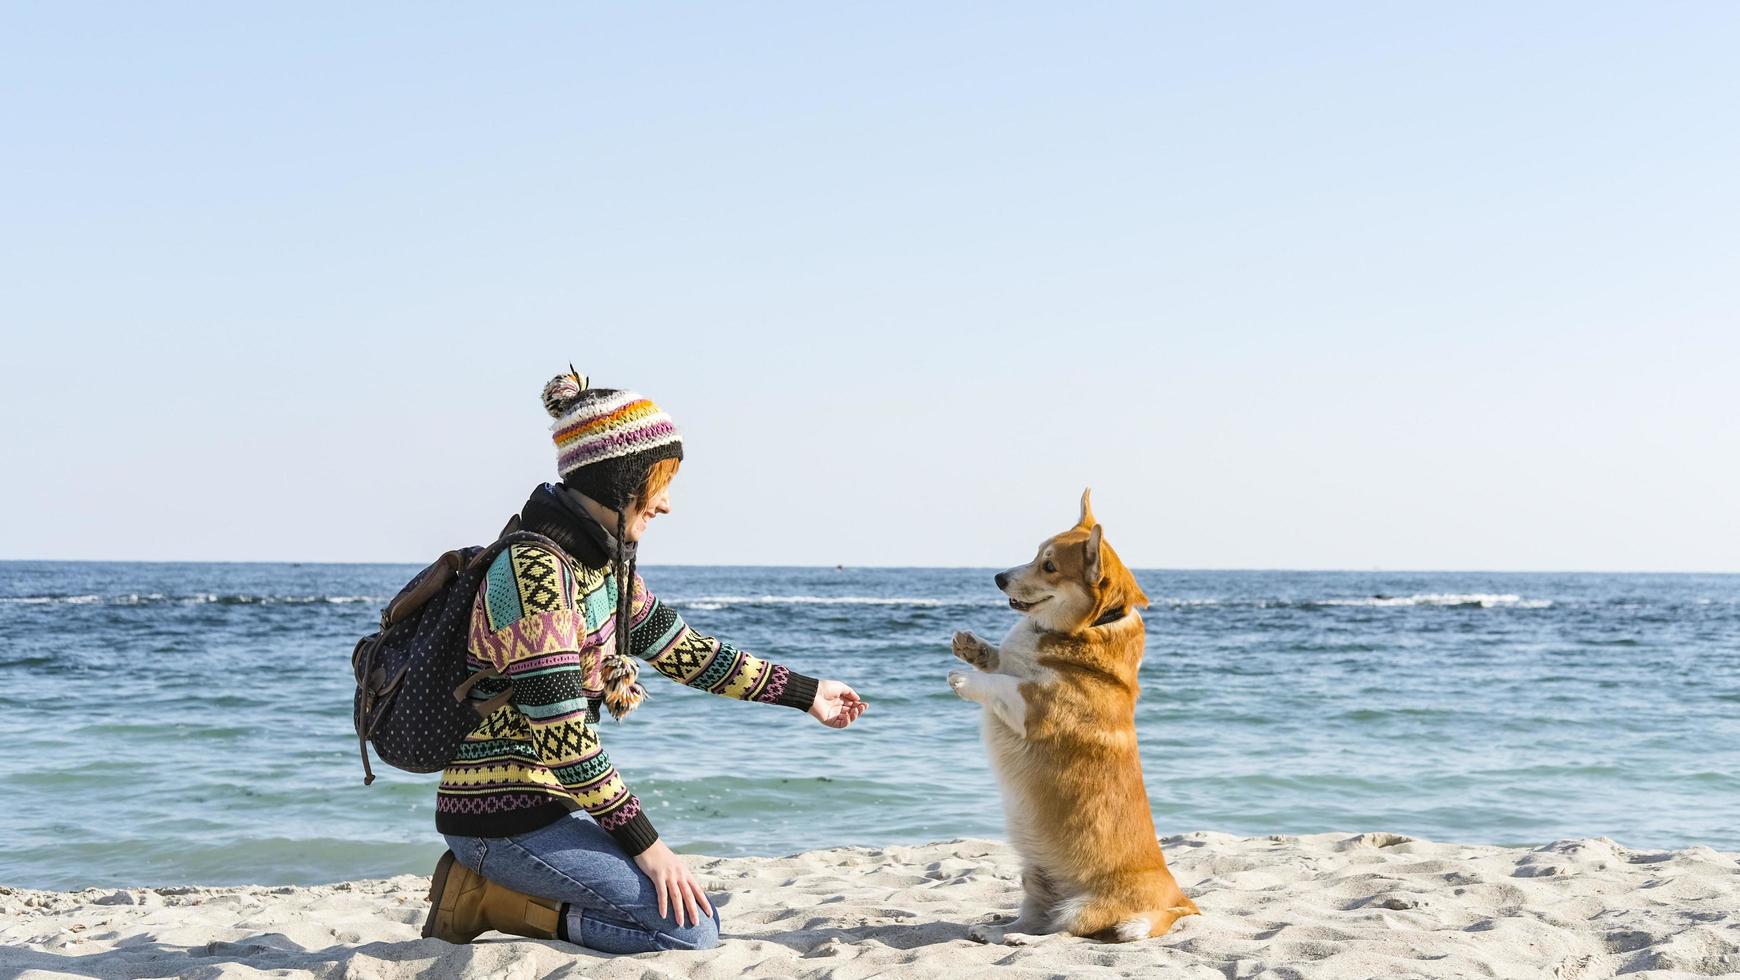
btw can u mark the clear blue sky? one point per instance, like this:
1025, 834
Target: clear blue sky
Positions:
1292, 286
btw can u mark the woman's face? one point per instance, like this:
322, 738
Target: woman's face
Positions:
644, 512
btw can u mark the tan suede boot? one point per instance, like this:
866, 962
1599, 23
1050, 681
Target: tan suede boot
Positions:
464, 904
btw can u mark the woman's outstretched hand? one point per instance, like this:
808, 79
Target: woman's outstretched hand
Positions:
675, 884
836, 705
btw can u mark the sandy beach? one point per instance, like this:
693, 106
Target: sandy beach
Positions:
1326, 905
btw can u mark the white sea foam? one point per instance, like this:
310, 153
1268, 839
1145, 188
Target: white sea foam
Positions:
1482, 599
287, 600
722, 601
1449, 599
717, 602
196, 599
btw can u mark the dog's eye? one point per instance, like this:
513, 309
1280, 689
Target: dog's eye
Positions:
1050, 568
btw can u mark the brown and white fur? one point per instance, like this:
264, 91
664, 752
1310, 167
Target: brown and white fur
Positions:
1059, 696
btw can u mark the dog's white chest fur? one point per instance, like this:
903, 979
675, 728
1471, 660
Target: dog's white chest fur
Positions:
999, 690
1006, 746
1018, 655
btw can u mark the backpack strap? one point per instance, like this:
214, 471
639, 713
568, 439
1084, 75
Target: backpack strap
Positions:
427, 585
494, 704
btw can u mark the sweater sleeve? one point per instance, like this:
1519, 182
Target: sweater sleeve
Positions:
678, 651
540, 651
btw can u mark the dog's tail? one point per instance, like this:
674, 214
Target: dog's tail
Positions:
1115, 921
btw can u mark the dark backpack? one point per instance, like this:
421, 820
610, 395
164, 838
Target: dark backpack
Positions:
412, 684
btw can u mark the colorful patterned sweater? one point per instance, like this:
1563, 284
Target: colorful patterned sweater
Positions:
537, 759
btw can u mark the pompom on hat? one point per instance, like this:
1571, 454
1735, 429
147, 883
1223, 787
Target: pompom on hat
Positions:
606, 438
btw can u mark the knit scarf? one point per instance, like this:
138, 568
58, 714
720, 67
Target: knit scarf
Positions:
556, 512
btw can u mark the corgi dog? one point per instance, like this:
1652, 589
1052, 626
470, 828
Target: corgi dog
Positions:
1059, 699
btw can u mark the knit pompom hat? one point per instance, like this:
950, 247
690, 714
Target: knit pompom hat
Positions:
607, 438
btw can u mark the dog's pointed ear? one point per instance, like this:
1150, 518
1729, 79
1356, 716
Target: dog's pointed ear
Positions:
1087, 510
1094, 568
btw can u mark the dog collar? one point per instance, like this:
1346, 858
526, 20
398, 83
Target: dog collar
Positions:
1111, 616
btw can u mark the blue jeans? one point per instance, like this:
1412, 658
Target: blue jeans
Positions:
612, 907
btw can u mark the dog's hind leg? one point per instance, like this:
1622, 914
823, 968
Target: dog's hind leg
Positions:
975, 651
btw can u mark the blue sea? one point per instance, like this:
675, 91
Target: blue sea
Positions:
176, 723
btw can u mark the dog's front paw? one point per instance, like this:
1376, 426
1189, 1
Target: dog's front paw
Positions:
985, 933
958, 680
974, 650
1005, 935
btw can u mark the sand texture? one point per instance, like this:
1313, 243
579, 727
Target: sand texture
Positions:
1328, 905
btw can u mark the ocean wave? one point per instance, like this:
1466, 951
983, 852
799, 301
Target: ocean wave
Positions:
195, 599
1481, 600
716, 602
1471, 600
697, 602
723, 601
287, 600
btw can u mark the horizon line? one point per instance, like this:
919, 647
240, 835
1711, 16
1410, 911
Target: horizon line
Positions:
894, 567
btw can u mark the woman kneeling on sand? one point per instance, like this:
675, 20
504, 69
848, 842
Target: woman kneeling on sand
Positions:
524, 860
